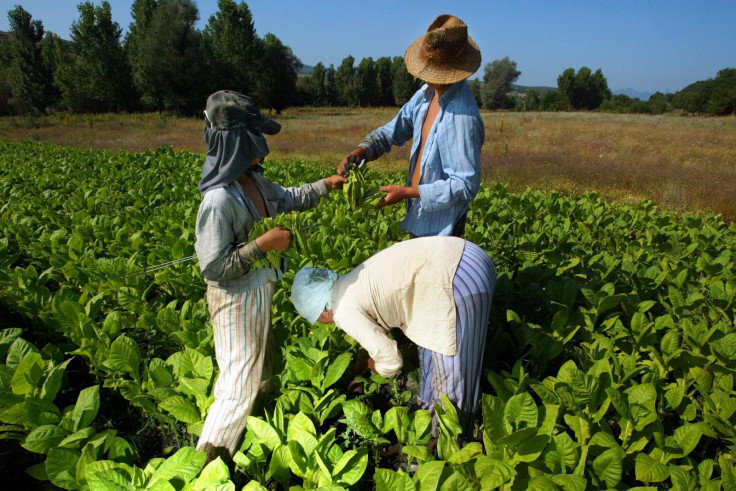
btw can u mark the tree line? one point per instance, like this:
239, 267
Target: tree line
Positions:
164, 63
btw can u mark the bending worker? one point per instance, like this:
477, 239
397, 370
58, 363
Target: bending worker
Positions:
437, 290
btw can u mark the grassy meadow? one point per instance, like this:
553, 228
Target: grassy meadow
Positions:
679, 163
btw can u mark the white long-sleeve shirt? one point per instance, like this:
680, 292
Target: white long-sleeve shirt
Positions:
407, 285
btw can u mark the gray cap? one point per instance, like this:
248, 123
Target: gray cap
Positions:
227, 109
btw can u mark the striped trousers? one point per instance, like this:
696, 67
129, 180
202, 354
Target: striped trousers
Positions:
458, 376
241, 325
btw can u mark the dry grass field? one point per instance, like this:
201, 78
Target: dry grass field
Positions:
679, 163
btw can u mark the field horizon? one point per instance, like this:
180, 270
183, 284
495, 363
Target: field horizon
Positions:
682, 164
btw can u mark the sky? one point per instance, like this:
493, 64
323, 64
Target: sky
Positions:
645, 45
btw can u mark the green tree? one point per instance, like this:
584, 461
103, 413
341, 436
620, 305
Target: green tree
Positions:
584, 89
347, 94
317, 87
404, 83
551, 101
96, 76
6, 93
233, 52
277, 83
384, 81
167, 62
497, 80
659, 103
31, 68
366, 83
331, 89
476, 87
532, 100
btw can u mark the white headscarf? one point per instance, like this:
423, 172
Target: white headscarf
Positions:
312, 292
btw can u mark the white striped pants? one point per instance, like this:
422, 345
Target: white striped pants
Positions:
241, 325
458, 376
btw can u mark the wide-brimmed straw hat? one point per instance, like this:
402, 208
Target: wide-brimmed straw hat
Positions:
445, 54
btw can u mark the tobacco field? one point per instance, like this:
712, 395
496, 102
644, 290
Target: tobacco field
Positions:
610, 359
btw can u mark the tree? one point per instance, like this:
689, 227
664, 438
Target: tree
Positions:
96, 77
31, 72
345, 83
277, 83
497, 80
583, 90
404, 83
366, 83
317, 87
384, 81
331, 89
532, 100
167, 66
476, 88
232, 50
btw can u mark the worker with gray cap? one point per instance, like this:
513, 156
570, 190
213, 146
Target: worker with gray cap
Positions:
235, 195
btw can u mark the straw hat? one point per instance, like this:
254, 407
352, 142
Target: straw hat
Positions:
445, 54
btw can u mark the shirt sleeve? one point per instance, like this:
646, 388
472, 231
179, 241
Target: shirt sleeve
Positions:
374, 339
459, 145
295, 198
219, 258
397, 132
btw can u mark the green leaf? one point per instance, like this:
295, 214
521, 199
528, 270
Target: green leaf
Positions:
85, 410
214, 473
301, 429
688, 437
335, 370
181, 408
561, 454
61, 467
184, 465
351, 467
125, 356
520, 412
42, 438
28, 374
649, 470
608, 466
388, 480
429, 474
279, 468
642, 399
264, 432
493, 473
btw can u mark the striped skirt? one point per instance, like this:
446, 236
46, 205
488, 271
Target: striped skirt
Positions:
458, 376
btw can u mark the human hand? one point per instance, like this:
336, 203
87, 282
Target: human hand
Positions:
276, 239
359, 155
335, 182
372, 365
396, 193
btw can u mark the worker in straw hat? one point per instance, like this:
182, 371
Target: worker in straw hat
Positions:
444, 124
235, 195
437, 290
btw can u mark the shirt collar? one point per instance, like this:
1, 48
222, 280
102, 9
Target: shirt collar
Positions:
449, 93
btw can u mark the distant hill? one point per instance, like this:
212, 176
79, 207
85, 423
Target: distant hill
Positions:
522, 89
306, 69
634, 94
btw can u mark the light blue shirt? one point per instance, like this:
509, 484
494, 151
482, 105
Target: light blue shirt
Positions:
450, 167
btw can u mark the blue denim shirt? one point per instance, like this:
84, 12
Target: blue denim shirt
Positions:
450, 167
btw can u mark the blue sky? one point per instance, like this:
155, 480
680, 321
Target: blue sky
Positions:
652, 45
